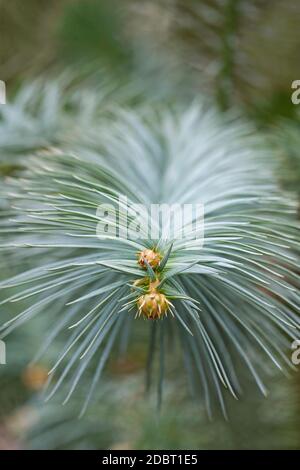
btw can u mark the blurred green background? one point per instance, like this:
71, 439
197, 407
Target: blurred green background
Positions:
243, 55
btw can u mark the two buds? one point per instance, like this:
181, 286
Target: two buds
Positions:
153, 304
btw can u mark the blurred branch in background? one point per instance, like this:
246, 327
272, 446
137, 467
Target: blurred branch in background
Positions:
241, 52
121, 419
